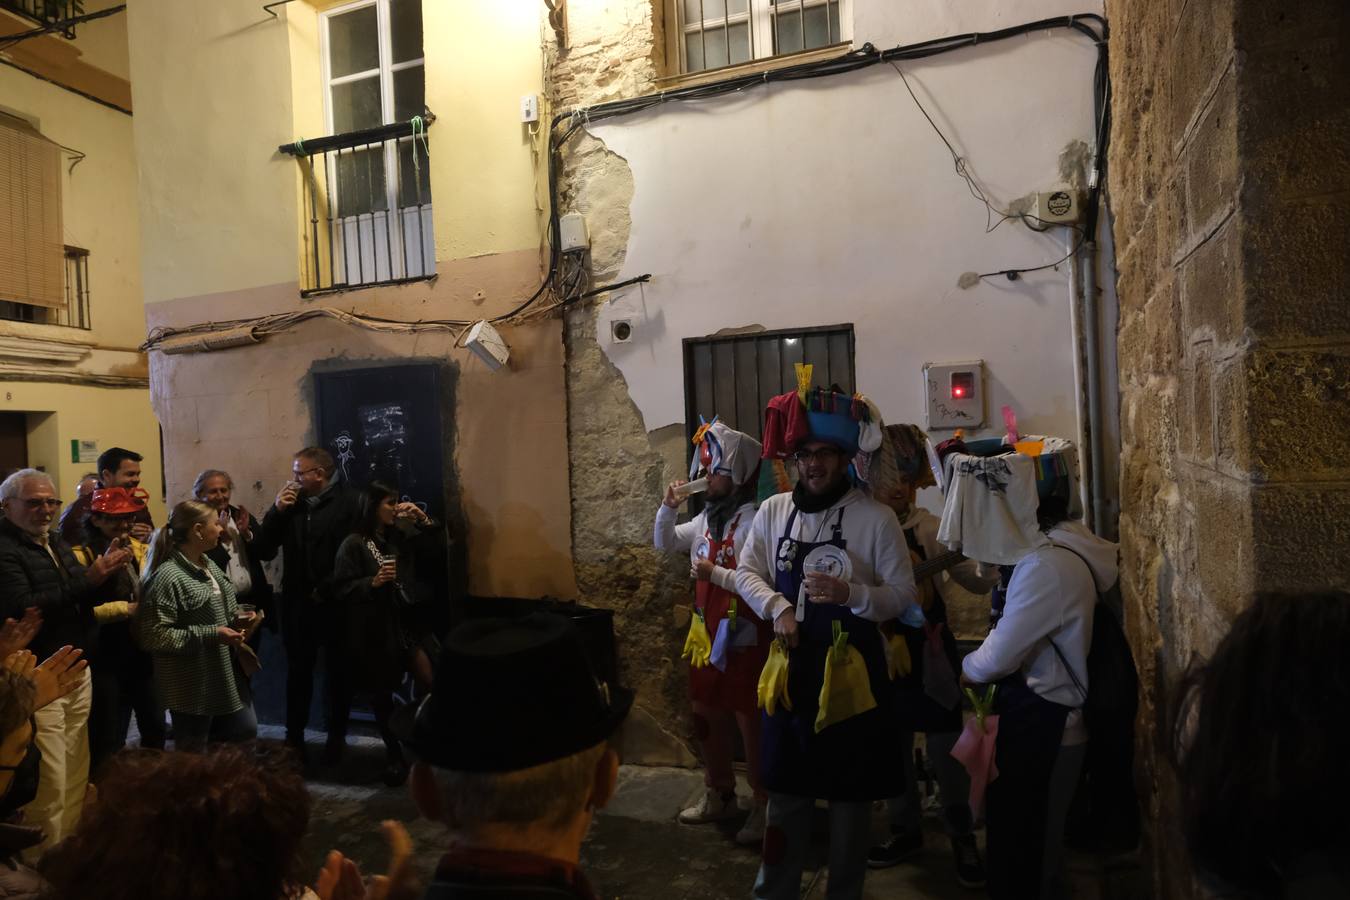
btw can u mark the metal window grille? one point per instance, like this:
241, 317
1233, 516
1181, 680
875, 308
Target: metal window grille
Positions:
75, 313
734, 377
367, 201
716, 33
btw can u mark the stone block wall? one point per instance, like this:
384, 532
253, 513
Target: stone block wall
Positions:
1229, 187
618, 469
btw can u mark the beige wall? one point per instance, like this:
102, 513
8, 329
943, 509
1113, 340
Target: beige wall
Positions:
100, 214
114, 417
224, 236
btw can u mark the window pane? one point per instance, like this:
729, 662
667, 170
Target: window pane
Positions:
356, 105
739, 36
789, 25
816, 34
410, 176
360, 182
714, 48
406, 29
739, 6
693, 52
353, 42
409, 93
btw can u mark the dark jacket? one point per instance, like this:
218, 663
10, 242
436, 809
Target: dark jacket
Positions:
258, 552
380, 627
472, 873
29, 577
117, 649
309, 534
73, 519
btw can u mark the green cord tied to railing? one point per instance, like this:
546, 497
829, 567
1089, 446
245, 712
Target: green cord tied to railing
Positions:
419, 131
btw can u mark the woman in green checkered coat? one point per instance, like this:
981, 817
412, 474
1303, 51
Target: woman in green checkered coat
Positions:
188, 621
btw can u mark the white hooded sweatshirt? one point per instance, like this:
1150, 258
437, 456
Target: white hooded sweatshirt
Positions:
1051, 596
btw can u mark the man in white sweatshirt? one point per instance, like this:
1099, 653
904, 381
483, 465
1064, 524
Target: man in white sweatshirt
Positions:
1037, 655
821, 558
722, 688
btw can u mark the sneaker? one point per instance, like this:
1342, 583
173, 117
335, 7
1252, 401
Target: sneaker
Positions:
969, 865
714, 807
900, 846
752, 832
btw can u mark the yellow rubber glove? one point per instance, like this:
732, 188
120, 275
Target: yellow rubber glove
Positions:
846, 691
898, 662
697, 646
773, 680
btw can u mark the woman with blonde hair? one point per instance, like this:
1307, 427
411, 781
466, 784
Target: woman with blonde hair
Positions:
189, 622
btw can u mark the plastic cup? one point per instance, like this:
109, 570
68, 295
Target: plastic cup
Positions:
689, 488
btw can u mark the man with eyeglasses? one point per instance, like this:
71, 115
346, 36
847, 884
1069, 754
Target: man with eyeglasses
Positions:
311, 516
38, 570
825, 564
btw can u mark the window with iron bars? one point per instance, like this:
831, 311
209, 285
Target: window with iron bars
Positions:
733, 377
368, 186
711, 34
75, 312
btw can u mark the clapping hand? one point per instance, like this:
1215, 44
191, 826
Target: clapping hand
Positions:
103, 567
340, 879
142, 532
241, 518
61, 673
16, 635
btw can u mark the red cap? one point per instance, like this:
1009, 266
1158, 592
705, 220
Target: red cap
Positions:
119, 501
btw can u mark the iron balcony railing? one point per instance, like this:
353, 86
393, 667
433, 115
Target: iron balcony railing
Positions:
75, 313
47, 12
367, 205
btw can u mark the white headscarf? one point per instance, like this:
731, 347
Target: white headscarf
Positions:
730, 452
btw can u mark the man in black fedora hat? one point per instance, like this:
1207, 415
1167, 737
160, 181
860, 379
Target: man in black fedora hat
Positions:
514, 753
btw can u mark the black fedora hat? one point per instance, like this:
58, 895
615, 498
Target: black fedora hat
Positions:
510, 694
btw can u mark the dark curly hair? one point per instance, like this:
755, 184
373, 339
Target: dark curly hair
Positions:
1259, 735
224, 824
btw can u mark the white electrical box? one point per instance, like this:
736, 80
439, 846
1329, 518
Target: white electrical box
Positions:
954, 394
488, 345
572, 232
1059, 207
529, 108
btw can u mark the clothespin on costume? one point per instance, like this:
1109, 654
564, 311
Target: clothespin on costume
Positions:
804, 371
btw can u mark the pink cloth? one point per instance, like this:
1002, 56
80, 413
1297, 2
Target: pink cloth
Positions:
975, 750
785, 426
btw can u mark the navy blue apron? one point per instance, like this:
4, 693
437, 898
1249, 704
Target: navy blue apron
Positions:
852, 760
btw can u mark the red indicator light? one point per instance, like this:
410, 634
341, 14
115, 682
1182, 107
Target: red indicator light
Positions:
963, 385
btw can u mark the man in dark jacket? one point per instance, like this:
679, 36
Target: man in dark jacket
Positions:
117, 467
37, 569
310, 518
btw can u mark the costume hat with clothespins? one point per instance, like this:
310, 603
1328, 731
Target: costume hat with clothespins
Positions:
904, 455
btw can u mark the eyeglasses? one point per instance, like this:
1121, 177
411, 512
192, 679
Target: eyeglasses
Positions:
300, 473
806, 456
36, 503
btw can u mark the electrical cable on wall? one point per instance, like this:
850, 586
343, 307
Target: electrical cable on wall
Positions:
563, 286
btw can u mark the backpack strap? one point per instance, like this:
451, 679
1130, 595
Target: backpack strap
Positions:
1077, 682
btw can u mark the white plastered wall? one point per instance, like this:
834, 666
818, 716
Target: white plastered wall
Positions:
834, 201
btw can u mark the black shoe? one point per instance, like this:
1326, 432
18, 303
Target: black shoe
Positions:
899, 847
969, 865
395, 772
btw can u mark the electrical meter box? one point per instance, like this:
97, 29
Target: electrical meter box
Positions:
954, 394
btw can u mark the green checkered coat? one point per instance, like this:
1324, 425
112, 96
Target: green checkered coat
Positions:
176, 623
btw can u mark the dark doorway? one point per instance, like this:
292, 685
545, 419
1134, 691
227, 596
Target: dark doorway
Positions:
13, 442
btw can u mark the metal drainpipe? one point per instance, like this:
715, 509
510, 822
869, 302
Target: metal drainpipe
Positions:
1076, 336
1091, 342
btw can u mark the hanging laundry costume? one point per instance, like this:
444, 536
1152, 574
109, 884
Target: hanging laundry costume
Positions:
829, 736
1036, 653
728, 641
